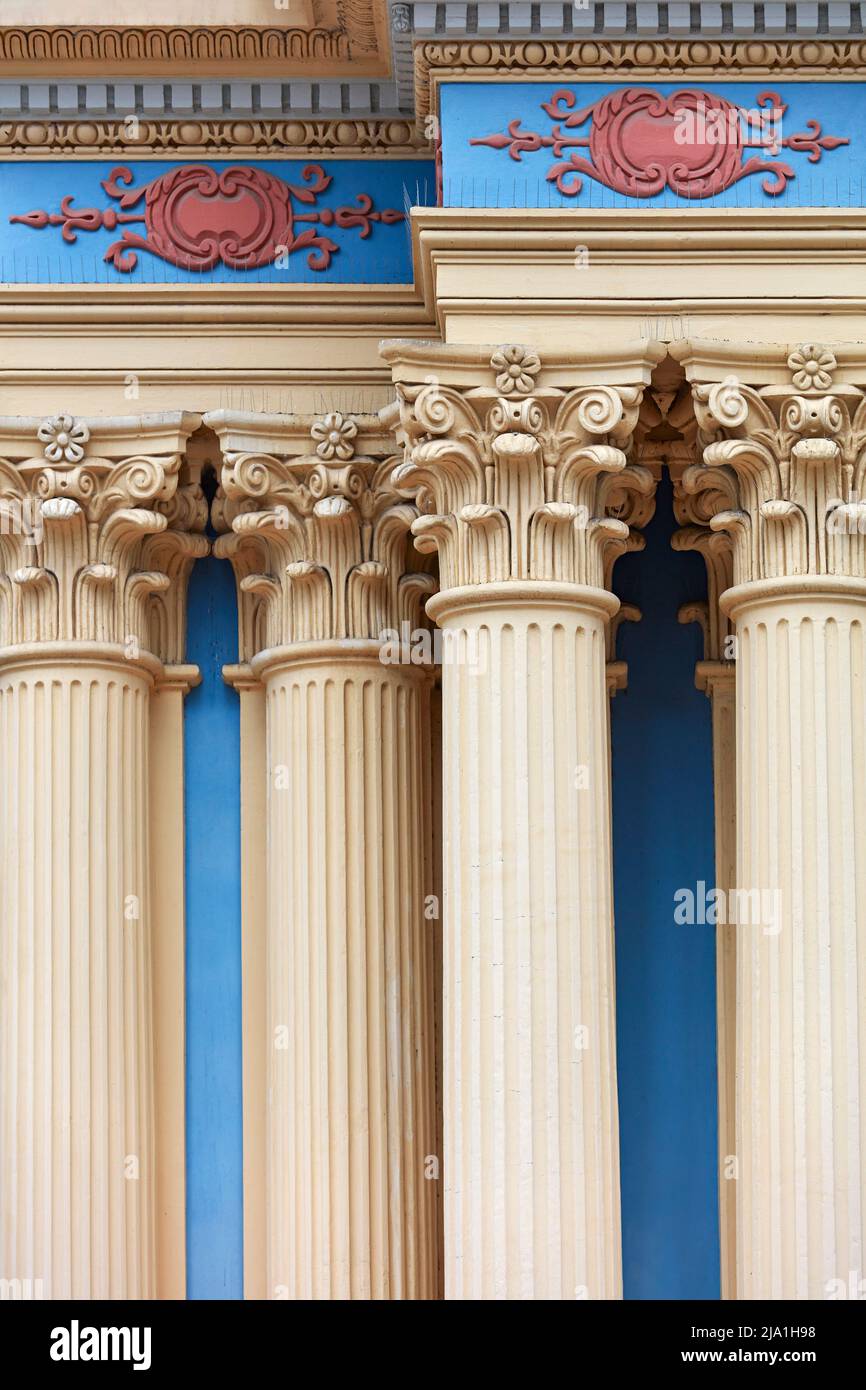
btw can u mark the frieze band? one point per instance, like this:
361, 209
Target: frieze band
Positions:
196, 217
601, 60
641, 142
190, 138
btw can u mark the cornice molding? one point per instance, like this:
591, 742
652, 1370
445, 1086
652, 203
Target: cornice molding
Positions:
211, 306
726, 240
601, 60
191, 138
358, 42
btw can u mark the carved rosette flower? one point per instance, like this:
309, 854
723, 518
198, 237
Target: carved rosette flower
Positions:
522, 487
334, 435
98, 551
812, 367
783, 472
320, 543
516, 368
64, 438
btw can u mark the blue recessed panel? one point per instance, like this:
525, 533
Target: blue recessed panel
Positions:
665, 973
776, 136
214, 1116
355, 207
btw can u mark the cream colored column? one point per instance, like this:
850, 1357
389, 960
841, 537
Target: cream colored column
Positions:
168, 880
789, 457
85, 616
715, 676
254, 873
329, 604
520, 469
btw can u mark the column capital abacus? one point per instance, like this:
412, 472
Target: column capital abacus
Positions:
318, 535
100, 523
783, 447
521, 469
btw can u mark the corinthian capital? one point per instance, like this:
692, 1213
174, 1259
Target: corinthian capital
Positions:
522, 470
100, 522
694, 510
782, 470
317, 533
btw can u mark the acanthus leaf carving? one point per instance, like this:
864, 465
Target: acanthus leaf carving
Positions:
523, 481
783, 470
97, 546
318, 534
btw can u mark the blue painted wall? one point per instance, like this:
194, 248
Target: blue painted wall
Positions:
665, 974
478, 176
662, 757
40, 255
214, 1126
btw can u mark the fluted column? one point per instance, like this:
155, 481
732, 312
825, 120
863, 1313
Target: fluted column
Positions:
715, 676
788, 459
523, 478
331, 595
95, 548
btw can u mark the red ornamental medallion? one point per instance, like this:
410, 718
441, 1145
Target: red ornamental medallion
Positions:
196, 217
641, 142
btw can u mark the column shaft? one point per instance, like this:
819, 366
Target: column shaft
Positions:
721, 689
782, 477
801, 971
531, 1126
75, 1028
351, 1132
521, 472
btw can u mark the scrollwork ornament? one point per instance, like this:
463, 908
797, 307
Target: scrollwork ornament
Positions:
600, 410
246, 475
727, 404
145, 479
432, 411
86, 521
81, 483
523, 416
809, 417
517, 490
321, 548
784, 471
327, 479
